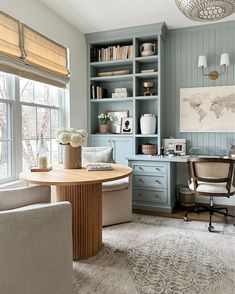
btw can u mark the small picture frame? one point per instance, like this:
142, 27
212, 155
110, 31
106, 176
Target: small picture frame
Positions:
127, 123
116, 123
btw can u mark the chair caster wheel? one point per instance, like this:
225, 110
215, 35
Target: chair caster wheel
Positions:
186, 219
211, 229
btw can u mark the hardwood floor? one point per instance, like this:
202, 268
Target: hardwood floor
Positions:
179, 214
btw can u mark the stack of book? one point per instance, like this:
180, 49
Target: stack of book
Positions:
111, 53
98, 92
120, 93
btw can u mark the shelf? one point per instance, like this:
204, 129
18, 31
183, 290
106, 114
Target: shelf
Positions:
104, 64
103, 100
154, 97
147, 59
146, 75
112, 134
146, 136
113, 78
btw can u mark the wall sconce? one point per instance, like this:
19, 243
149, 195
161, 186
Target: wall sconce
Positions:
213, 75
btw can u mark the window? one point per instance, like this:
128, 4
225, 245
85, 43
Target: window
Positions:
27, 109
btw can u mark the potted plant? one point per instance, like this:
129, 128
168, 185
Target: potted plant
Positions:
72, 140
104, 122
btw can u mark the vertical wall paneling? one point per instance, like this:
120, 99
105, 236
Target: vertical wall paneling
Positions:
183, 47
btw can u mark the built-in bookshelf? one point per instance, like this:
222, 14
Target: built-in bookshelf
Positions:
114, 62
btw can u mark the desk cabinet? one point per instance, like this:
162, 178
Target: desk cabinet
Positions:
153, 185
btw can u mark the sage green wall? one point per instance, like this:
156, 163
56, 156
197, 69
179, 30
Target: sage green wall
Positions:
183, 47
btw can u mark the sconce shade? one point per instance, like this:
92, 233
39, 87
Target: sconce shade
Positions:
224, 59
202, 61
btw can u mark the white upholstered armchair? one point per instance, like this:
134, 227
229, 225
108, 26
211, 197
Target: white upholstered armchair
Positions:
116, 195
35, 243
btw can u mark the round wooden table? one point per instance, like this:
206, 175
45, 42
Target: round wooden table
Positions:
83, 189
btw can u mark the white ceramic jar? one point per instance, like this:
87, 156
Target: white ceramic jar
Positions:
148, 124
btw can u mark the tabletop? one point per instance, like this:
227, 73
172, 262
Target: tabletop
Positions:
60, 176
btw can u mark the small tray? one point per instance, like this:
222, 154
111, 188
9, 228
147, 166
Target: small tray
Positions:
38, 169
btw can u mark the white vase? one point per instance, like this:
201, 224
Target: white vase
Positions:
148, 124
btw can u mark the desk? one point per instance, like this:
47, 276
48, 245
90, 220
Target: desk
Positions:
155, 179
83, 190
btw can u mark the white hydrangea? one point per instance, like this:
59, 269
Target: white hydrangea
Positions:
76, 140
64, 138
71, 136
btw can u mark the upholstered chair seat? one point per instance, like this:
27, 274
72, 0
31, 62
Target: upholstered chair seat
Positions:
215, 188
116, 195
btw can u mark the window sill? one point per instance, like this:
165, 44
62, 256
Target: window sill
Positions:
14, 183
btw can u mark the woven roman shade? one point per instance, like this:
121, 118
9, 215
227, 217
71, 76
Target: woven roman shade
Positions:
29, 54
43, 52
9, 36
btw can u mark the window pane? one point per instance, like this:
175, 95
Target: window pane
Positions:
5, 169
54, 122
46, 94
28, 122
26, 90
29, 153
43, 121
3, 121
55, 152
6, 86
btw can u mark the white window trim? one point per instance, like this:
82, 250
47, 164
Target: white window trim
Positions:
16, 126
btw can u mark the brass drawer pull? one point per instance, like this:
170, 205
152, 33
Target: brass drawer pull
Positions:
140, 180
140, 168
157, 168
157, 181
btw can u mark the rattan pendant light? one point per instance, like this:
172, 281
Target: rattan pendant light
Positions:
206, 10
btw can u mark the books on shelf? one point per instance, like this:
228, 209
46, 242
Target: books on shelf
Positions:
110, 53
98, 92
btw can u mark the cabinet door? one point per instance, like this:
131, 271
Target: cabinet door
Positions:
100, 141
122, 148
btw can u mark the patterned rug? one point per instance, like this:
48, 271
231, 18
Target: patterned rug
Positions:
159, 255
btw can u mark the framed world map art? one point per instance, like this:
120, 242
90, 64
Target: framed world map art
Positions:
207, 109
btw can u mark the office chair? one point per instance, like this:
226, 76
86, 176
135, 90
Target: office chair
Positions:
213, 177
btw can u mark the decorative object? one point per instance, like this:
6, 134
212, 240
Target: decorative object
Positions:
149, 149
72, 140
120, 93
148, 86
42, 153
213, 75
232, 150
207, 109
114, 73
147, 70
104, 122
206, 10
147, 49
127, 125
174, 146
179, 250
148, 124
117, 116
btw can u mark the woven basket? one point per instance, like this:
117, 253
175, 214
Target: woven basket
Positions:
149, 149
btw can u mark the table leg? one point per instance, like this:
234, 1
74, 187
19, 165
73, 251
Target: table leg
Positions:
86, 202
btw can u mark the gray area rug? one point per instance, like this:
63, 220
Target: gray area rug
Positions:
159, 255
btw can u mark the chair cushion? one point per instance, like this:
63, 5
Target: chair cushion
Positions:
211, 187
116, 185
97, 154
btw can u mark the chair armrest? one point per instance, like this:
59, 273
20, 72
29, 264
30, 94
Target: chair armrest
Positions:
36, 249
14, 198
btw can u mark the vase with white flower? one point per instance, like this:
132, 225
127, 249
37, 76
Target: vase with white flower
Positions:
104, 122
72, 141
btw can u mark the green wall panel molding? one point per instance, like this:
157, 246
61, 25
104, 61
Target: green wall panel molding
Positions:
182, 48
